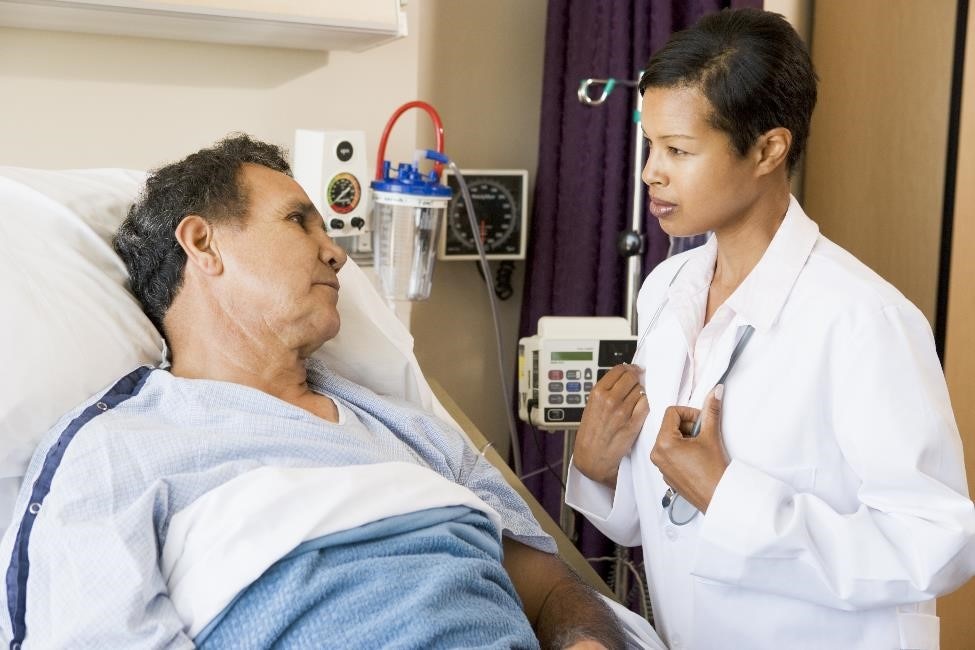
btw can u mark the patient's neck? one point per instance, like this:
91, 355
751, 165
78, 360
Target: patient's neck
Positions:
203, 352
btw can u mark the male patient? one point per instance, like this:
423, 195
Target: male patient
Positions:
230, 260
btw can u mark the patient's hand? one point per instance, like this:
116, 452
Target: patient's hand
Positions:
610, 424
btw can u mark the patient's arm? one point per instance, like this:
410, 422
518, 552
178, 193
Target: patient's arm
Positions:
564, 612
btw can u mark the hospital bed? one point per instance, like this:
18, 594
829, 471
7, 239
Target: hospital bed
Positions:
69, 327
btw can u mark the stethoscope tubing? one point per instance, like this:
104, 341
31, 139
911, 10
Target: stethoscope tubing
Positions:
670, 497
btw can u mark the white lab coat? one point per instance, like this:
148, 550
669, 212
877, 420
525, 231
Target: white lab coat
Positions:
845, 509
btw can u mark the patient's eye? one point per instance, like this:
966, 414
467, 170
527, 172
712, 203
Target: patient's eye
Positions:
298, 218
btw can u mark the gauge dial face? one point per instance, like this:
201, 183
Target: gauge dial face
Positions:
497, 216
343, 193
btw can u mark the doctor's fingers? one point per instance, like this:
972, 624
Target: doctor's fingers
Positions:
618, 385
679, 419
682, 419
620, 378
671, 440
625, 402
612, 419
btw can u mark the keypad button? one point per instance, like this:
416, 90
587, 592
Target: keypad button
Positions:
573, 398
555, 387
587, 386
572, 387
555, 375
555, 399
572, 374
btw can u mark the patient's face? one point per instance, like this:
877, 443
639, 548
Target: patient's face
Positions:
279, 282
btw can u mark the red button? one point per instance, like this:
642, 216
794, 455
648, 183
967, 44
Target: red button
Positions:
555, 375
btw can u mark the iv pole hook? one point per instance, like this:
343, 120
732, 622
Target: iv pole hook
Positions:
607, 84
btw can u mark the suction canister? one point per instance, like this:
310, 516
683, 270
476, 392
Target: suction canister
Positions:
408, 207
407, 210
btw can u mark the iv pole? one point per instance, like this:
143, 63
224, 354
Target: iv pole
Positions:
631, 246
631, 243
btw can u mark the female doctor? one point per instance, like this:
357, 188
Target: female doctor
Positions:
818, 499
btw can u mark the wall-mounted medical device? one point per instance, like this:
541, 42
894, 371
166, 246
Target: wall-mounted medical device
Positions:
331, 167
408, 208
558, 367
500, 200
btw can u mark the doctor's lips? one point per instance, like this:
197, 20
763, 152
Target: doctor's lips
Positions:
661, 208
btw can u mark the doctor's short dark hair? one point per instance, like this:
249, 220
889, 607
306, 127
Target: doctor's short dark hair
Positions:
205, 183
753, 68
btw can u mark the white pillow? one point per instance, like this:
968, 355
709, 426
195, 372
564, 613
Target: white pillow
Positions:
69, 327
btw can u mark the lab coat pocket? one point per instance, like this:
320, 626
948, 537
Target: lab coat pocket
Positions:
919, 631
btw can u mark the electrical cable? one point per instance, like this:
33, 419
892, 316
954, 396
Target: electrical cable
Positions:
538, 445
492, 301
502, 279
630, 566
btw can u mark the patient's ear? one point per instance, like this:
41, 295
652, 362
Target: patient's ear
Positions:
195, 236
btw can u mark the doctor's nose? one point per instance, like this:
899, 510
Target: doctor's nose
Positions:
652, 172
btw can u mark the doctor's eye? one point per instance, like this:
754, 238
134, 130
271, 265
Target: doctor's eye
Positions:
297, 218
677, 152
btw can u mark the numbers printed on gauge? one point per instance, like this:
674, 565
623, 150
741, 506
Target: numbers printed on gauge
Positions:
499, 198
494, 207
343, 193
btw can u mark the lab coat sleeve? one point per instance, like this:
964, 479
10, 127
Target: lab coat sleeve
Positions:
910, 536
613, 512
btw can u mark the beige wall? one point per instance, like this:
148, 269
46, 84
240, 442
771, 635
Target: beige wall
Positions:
77, 100
874, 173
488, 92
797, 12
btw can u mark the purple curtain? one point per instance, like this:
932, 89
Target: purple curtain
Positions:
583, 184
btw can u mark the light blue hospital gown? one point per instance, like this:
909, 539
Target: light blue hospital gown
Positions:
84, 570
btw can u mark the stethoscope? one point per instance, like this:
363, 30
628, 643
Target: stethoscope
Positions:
679, 510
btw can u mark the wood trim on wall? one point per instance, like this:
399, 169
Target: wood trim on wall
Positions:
958, 624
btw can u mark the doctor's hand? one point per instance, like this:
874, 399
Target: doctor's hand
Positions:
692, 466
610, 424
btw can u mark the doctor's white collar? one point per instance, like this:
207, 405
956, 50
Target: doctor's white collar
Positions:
759, 299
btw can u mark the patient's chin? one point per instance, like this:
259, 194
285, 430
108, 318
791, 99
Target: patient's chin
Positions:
319, 336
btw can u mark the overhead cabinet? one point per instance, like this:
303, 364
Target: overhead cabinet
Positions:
301, 24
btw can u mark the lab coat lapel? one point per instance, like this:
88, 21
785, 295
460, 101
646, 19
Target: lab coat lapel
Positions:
714, 370
664, 361
763, 294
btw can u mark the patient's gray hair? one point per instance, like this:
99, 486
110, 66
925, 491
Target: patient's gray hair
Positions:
204, 183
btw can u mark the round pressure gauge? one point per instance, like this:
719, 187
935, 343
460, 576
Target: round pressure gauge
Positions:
496, 213
343, 193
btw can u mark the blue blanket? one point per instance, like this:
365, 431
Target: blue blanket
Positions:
429, 579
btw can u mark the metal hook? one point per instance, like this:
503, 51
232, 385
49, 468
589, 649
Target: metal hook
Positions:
607, 84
